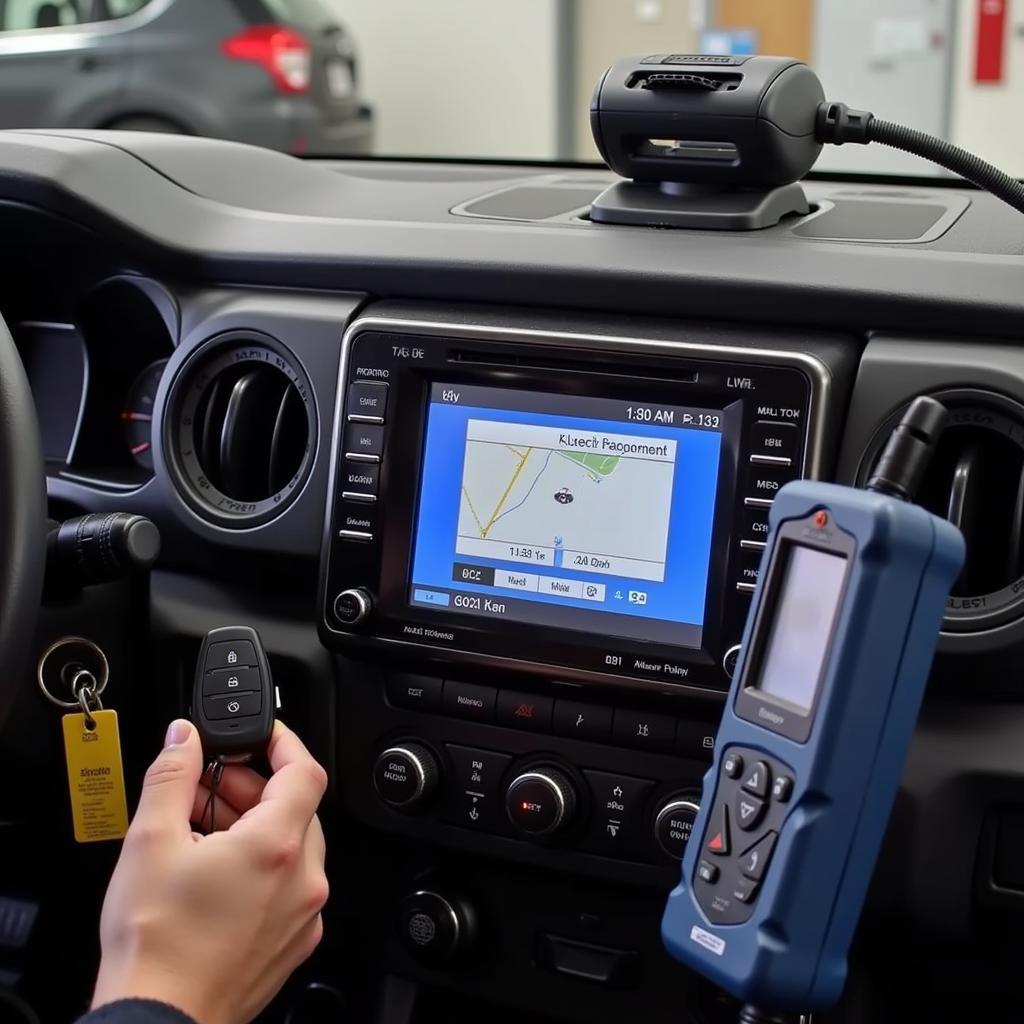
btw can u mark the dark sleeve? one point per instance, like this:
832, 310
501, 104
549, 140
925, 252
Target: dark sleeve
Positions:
136, 1011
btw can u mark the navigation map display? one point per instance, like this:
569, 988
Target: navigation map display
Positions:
580, 512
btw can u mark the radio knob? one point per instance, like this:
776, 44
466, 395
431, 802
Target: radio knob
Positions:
541, 801
405, 774
673, 824
353, 606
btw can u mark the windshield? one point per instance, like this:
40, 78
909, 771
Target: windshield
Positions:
490, 79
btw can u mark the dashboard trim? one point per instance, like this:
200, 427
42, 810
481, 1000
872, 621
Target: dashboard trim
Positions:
819, 379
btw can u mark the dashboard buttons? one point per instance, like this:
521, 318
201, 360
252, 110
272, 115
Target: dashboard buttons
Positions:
524, 711
417, 693
364, 439
775, 440
405, 774
750, 567
464, 700
695, 739
730, 658
767, 481
367, 402
755, 525
618, 824
473, 795
749, 811
357, 518
673, 825
360, 480
582, 721
541, 801
436, 928
645, 731
353, 606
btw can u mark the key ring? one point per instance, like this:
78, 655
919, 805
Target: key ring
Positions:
86, 692
99, 685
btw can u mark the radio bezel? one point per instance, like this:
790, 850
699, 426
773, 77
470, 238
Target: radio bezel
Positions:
601, 365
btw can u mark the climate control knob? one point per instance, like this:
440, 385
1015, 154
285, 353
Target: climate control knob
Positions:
541, 801
405, 774
353, 606
673, 824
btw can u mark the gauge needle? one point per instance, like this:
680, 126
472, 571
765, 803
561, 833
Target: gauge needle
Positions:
136, 417
140, 448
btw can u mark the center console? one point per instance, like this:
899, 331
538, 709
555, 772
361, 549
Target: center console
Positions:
539, 550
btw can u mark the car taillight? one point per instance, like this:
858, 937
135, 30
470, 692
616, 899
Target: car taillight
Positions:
285, 53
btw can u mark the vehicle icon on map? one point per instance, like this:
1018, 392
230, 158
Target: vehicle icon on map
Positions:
564, 496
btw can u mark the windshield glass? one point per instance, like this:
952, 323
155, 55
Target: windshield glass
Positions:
490, 79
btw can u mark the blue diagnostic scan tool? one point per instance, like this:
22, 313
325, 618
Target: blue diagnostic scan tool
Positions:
824, 700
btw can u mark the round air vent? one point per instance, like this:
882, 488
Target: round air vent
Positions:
976, 480
241, 429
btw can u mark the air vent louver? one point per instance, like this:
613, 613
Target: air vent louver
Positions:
242, 428
976, 480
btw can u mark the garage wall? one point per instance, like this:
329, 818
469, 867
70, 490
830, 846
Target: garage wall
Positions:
987, 116
459, 77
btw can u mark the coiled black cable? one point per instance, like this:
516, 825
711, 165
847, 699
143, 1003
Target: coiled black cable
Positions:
838, 124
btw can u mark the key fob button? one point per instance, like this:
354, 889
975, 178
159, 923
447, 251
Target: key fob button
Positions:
228, 706
230, 654
231, 680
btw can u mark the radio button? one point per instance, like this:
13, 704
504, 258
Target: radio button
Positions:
367, 400
767, 481
417, 693
780, 440
359, 518
582, 721
353, 606
364, 439
755, 525
750, 567
644, 731
464, 700
360, 478
524, 711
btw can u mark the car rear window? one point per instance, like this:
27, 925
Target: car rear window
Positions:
307, 14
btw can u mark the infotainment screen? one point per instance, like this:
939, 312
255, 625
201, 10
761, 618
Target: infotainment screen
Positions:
572, 512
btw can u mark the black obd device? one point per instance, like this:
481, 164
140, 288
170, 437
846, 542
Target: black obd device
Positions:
233, 698
706, 141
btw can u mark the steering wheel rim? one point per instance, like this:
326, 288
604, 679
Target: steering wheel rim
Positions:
22, 520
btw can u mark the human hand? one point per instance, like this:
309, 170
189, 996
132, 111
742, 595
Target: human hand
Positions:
215, 924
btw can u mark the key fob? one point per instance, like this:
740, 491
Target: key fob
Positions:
233, 698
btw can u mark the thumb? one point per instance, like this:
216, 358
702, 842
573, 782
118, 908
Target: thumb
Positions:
169, 789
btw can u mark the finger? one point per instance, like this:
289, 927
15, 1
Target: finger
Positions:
223, 815
239, 787
293, 793
169, 789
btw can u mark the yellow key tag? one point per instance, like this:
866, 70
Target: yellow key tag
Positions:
96, 777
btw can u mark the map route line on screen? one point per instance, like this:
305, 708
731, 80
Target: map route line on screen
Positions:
507, 491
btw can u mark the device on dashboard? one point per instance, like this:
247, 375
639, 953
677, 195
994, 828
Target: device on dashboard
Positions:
809, 753
576, 513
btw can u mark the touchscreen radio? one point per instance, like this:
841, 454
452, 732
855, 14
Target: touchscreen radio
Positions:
556, 503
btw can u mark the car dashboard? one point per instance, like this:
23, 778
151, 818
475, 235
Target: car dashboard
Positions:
394, 415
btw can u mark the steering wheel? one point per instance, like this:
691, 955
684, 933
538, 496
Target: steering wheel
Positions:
22, 520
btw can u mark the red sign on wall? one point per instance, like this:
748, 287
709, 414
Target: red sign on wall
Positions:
988, 58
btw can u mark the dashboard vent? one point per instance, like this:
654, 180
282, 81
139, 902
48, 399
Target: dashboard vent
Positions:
976, 480
242, 429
